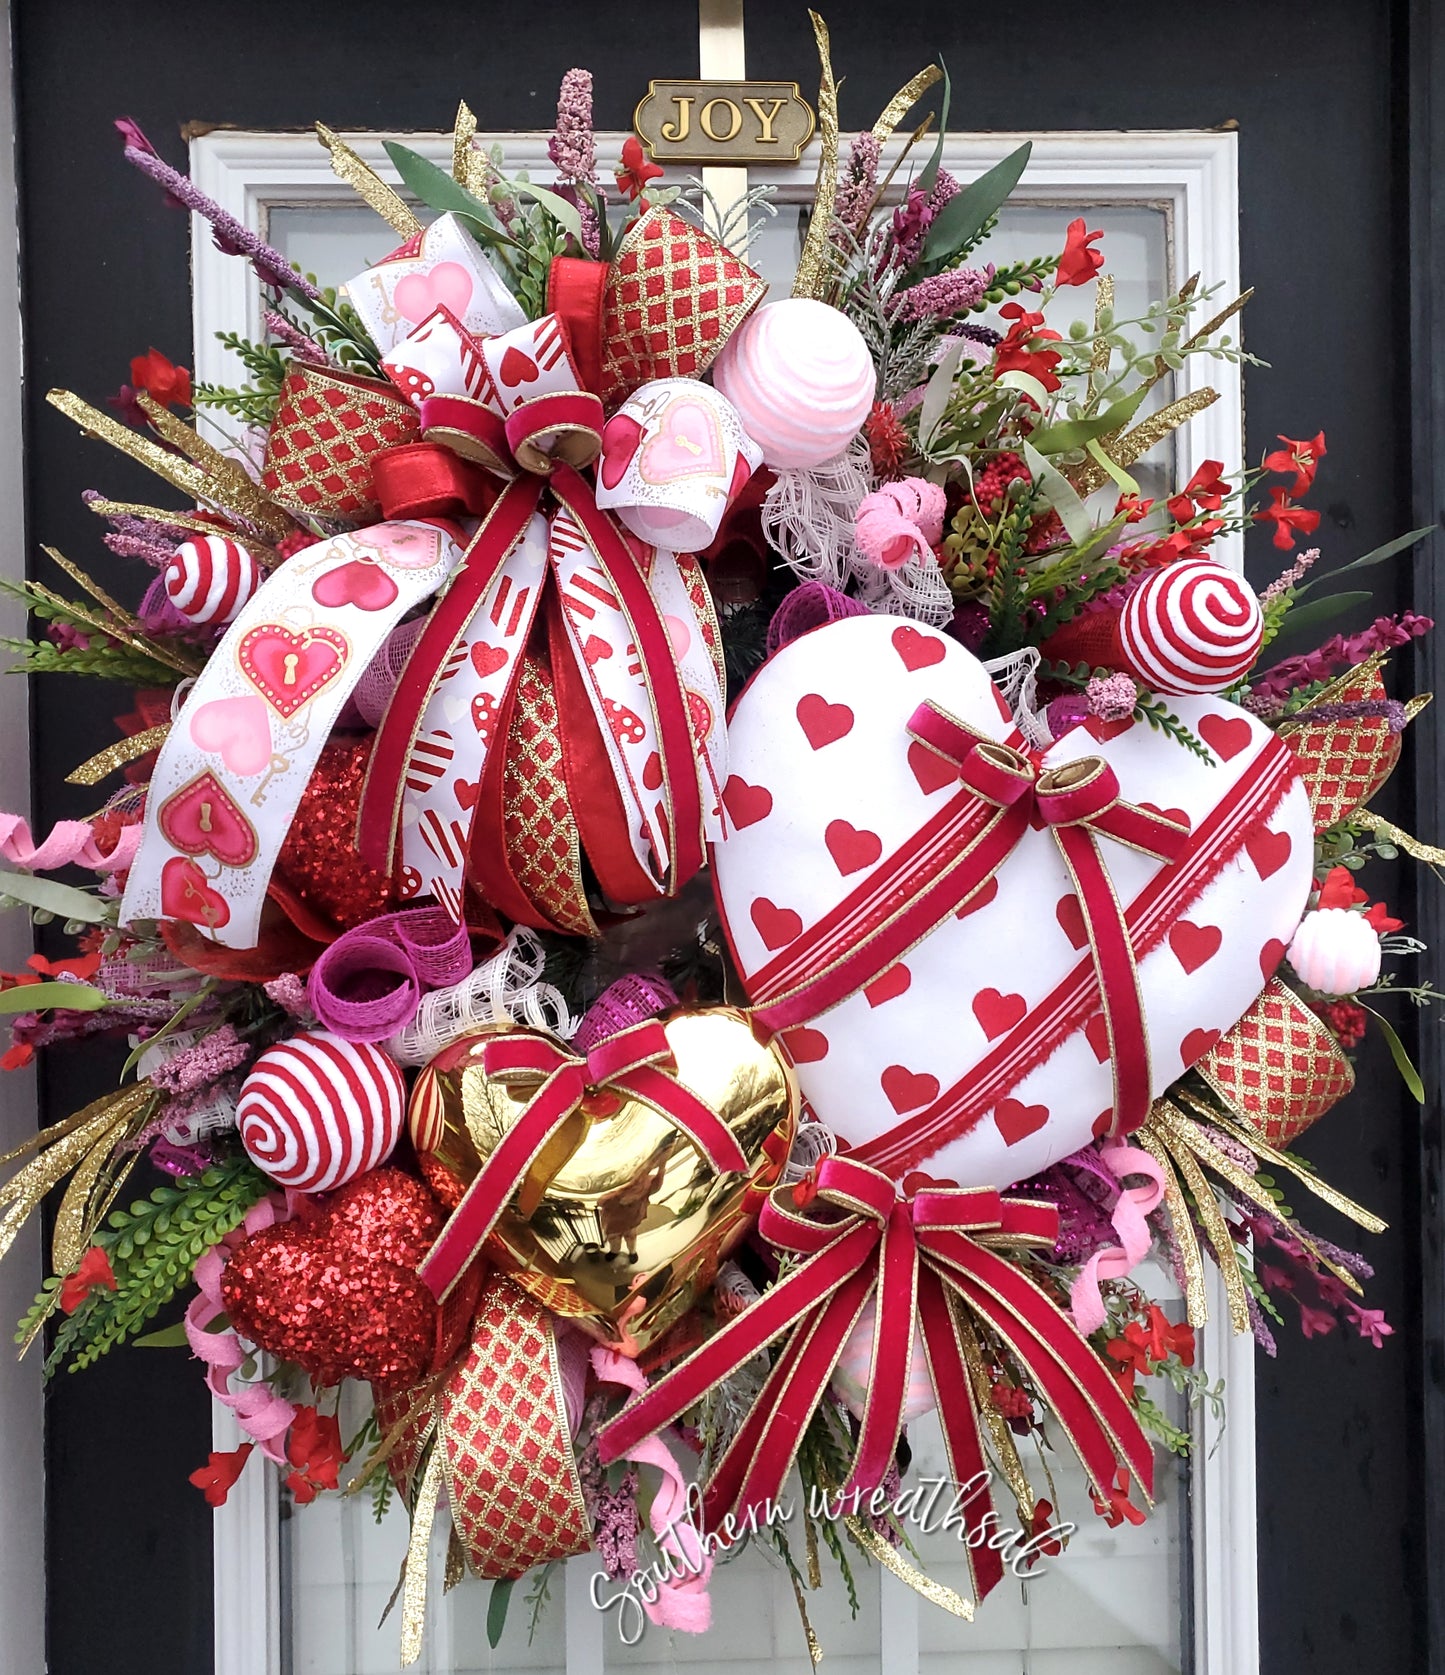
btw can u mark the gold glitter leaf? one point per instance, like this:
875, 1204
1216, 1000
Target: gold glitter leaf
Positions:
811, 279
106, 762
243, 500
368, 185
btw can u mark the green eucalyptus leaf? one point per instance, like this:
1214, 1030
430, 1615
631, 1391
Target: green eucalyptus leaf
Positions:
1323, 609
566, 215
1401, 543
929, 178
935, 397
1070, 434
497, 1610
64, 997
1408, 1073
1060, 494
169, 1337
965, 215
63, 900
438, 191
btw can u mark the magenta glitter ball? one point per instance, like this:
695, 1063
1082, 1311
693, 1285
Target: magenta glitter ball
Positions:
338, 1292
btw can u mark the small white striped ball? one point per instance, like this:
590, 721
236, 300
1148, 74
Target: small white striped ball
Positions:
211, 578
801, 378
1193, 626
317, 1111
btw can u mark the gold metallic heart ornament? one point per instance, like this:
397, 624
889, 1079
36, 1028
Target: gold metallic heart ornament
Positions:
622, 1222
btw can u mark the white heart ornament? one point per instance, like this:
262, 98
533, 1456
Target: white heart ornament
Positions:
982, 1052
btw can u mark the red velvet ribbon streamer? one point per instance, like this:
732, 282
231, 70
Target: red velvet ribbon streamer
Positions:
550, 419
954, 855
425, 480
636, 1063
929, 1261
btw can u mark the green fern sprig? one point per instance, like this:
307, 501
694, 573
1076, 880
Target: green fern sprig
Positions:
112, 662
1163, 720
255, 401
154, 1247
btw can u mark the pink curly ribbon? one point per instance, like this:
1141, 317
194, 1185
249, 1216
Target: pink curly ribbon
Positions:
683, 1601
1130, 1218
369, 982
70, 843
261, 1414
900, 521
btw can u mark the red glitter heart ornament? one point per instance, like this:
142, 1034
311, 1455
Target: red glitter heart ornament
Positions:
338, 1292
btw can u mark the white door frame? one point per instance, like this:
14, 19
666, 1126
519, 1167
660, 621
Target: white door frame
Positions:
22, 1474
1193, 177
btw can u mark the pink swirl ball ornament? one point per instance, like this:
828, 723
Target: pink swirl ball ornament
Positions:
1191, 627
802, 381
210, 578
1335, 951
317, 1111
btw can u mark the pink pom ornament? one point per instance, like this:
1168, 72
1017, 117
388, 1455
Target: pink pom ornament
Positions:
317, 1111
210, 578
801, 379
900, 521
1191, 627
1335, 951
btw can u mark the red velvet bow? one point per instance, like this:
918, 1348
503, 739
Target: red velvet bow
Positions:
634, 1063
952, 856
932, 1264
1079, 802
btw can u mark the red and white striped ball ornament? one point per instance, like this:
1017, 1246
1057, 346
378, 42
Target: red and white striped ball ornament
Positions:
1191, 627
211, 578
317, 1111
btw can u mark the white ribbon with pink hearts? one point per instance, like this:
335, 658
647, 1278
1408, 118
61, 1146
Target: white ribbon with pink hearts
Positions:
438, 268
247, 739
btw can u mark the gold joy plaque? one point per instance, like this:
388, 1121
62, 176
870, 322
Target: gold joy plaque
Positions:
748, 122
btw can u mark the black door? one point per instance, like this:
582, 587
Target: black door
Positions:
1333, 107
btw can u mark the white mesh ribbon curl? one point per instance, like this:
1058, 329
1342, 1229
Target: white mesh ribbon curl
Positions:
504, 989
808, 518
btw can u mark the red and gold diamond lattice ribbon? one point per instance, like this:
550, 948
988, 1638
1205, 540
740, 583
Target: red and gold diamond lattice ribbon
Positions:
495, 1435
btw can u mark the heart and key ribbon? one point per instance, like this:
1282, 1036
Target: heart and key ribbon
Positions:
436, 778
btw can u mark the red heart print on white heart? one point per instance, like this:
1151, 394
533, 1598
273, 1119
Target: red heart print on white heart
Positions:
823, 765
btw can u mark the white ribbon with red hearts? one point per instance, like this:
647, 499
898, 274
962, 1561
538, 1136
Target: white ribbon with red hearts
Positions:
459, 724
245, 744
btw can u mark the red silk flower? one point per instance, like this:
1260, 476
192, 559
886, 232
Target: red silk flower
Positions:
1080, 262
1302, 458
161, 379
1287, 518
315, 1449
93, 1274
218, 1476
636, 171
